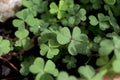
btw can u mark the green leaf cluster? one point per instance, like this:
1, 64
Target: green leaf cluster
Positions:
62, 8
102, 20
40, 67
75, 41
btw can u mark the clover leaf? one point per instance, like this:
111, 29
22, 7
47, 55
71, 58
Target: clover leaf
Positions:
102, 20
23, 39
26, 64
51, 49
61, 8
40, 68
71, 62
64, 36
89, 73
76, 40
21, 34
64, 76
106, 47
93, 20
5, 46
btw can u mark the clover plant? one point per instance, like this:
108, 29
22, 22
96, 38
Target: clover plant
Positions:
66, 39
5, 46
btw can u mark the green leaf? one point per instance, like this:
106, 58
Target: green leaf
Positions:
5, 46
64, 36
87, 71
93, 20
98, 76
22, 14
116, 66
37, 66
27, 3
44, 49
46, 77
26, 64
82, 14
64, 76
110, 2
53, 8
103, 60
21, 34
51, 68
19, 23
106, 48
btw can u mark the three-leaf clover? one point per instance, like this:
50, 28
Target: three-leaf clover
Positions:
40, 68
71, 62
78, 42
5, 46
64, 76
102, 20
60, 10
26, 64
23, 39
51, 49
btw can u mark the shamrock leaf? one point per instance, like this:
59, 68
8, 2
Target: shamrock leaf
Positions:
50, 49
76, 40
102, 20
71, 62
106, 47
93, 20
53, 8
61, 8
21, 34
41, 68
26, 64
64, 76
64, 36
23, 39
5, 46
